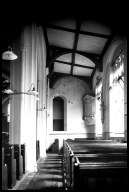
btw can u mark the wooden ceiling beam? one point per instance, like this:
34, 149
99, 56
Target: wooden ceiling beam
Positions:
86, 77
61, 28
80, 32
94, 34
60, 51
75, 44
77, 65
76, 51
47, 45
107, 45
98, 66
93, 72
51, 70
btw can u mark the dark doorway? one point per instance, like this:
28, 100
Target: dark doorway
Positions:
58, 114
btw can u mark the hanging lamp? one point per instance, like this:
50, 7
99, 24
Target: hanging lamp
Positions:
8, 91
32, 90
9, 55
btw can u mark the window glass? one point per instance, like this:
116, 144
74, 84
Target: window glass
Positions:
98, 109
116, 97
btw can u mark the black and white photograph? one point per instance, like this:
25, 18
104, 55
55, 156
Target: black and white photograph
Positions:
64, 96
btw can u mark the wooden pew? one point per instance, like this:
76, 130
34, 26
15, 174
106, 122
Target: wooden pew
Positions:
37, 149
23, 148
11, 165
19, 161
118, 152
88, 148
106, 174
93, 158
5, 139
66, 164
4, 173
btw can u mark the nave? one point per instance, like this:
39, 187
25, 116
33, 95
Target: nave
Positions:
69, 81
49, 175
84, 164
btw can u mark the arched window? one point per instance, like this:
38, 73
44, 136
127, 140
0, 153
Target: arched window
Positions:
116, 97
58, 114
98, 124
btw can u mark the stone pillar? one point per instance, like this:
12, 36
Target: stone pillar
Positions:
42, 86
23, 73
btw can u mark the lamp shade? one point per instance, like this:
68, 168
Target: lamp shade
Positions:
9, 55
33, 92
8, 91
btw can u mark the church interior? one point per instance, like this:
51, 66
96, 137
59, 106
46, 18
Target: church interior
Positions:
64, 104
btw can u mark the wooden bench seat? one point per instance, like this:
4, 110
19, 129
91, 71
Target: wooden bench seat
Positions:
14, 158
19, 161
11, 165
90, 151
4, 173
99, 170
90, 158
23, 148
37, 149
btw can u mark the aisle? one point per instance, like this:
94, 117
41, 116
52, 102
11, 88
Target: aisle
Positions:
49, 175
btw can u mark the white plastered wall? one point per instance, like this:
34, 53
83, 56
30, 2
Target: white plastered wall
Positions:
72, 90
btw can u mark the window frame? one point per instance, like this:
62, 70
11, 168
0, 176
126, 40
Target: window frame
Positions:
115, 76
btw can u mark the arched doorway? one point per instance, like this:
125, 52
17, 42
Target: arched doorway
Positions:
58, 114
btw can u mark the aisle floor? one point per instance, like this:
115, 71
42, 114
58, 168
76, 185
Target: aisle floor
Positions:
48, 177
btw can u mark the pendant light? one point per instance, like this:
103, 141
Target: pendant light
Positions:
32, 91
9, 55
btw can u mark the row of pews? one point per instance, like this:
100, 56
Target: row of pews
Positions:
13, 164
94, 164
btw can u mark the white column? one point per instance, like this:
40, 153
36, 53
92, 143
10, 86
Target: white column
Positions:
41, 73
23, 107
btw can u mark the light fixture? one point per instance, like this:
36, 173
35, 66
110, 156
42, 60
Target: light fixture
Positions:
9, 55
32, 90
8, 91
42, 109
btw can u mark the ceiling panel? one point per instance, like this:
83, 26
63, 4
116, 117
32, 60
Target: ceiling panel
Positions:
82, 71
62, 68
82, 60
67, 23
60, 38
91, 44
95, 27
65, 57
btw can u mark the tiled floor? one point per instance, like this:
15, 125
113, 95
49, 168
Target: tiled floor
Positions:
48, 177
24, 182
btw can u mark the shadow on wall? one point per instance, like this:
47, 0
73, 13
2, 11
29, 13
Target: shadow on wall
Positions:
54, 147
